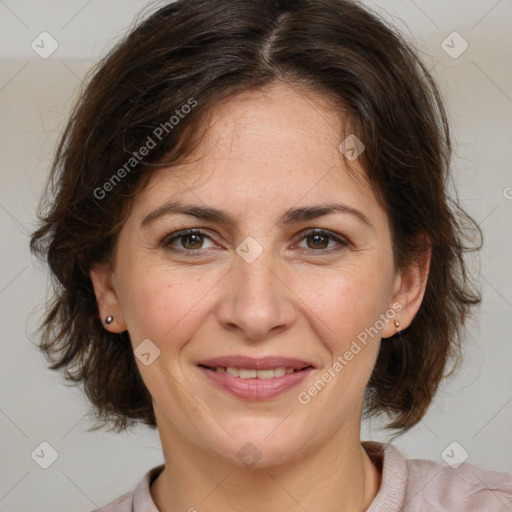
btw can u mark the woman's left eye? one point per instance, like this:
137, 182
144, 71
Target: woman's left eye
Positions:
192, 241
320, 239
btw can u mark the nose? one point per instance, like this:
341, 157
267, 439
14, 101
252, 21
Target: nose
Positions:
257, 301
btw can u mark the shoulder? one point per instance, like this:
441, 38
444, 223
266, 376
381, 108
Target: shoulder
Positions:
465, 487
121, 504
139, 499
415, 484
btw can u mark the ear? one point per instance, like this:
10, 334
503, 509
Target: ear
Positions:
106, 297
408, 291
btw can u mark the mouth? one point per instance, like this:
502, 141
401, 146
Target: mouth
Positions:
248, 373
255, 379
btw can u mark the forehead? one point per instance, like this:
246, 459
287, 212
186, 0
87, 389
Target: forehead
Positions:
278, 122
273, 147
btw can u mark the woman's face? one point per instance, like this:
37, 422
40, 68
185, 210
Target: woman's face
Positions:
256, 282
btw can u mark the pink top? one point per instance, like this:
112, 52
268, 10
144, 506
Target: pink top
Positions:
407, 486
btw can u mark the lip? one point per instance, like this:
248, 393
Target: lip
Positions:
255, 389
251, 363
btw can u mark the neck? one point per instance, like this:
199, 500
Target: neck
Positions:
336, 476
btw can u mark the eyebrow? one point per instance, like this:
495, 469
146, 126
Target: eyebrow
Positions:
291, 216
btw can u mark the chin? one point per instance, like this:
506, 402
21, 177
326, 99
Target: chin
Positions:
261, 448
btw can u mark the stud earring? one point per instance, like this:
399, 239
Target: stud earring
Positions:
109, 320
397, 325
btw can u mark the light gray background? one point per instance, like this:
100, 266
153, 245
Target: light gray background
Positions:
474, 409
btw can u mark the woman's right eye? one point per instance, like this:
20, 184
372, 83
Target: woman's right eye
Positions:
191, 240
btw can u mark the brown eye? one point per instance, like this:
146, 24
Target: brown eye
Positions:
188, 241
191, 241
319, 240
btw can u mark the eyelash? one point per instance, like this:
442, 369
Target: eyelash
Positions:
170, 237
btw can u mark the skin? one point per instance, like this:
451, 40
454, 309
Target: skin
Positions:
264, 152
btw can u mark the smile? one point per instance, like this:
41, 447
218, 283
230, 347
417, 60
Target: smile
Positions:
251, 373
254, 379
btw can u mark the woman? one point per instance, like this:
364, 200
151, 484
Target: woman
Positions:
253, 246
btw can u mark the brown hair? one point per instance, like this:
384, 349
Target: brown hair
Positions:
166, 74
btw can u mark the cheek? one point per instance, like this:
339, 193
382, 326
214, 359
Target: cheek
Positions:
163, 303
347, 301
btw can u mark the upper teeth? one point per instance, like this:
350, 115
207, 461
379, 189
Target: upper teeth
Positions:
244, 373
